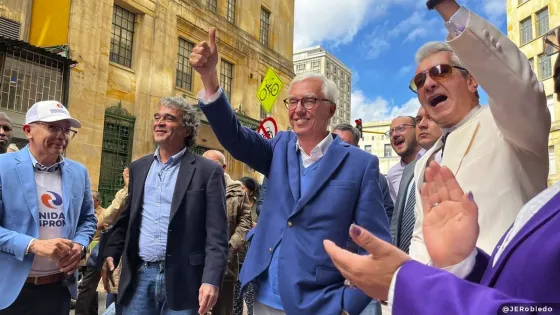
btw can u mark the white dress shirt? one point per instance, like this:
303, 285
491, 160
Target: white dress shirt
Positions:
437, 156
317, 153
394, 175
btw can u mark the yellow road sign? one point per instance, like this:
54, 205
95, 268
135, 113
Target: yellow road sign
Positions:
269, 90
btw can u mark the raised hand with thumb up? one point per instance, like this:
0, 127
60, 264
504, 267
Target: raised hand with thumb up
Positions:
204, 59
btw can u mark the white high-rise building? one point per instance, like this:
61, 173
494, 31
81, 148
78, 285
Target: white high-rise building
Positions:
317, 59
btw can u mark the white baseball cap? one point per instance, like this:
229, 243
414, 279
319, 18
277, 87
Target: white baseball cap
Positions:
50, 111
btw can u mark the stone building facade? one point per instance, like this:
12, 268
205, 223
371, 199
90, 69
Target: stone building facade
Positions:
528, 21
130, 53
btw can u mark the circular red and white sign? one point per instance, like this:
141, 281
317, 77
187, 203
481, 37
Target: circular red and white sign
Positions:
268, 128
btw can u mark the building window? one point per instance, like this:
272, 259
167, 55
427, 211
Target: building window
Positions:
265, 26
372, 138
116, 151
230, 11
388, 150
550, 104
226, 77
184, 69
545, 67
27, 77
315, 66
551, 161
526, 31
542, 22
367, 148
9, 28
300, 68
122, 33
212, 5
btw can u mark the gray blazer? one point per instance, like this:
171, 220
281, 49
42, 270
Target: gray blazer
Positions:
407, 177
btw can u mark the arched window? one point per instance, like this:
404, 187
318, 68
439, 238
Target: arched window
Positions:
116, 151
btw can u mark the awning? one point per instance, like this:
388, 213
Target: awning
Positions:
10, 43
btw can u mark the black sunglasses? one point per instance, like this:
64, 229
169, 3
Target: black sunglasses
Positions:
437, 73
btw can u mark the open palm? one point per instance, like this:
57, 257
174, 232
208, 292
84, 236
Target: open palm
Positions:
450, 224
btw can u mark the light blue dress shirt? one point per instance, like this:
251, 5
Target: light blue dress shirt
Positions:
156, 207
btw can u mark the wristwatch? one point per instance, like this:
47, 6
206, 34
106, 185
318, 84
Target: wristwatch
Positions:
431, 4
83, 250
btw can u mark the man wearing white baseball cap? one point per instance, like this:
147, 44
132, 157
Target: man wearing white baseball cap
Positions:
46, 216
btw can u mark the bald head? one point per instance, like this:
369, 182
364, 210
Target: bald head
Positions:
5, 132
216, 156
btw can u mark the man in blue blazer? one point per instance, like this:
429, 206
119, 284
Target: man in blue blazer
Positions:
46, 216
317, 186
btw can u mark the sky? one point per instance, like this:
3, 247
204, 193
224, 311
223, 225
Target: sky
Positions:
377, 40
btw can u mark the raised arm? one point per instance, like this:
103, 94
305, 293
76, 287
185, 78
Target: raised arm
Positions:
516, 96
243, 143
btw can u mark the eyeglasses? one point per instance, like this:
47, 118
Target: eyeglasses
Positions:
398, 129
56, 129
437, 73
306, 102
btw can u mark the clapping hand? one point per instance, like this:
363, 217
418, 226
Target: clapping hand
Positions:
372, 273
450, 224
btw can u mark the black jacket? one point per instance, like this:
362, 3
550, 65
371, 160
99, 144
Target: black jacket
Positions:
197, 241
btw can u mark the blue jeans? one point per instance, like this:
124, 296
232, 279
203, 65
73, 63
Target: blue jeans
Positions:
373, 308
149, 296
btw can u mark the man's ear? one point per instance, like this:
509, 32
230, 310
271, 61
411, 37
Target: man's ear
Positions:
472, 84
332, 109
27, 131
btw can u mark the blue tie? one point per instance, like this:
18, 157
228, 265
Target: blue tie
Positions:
408, 220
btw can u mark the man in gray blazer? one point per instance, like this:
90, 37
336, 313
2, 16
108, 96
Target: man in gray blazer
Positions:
403, 219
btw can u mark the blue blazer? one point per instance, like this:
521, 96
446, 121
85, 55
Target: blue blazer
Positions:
19, 216
346, 190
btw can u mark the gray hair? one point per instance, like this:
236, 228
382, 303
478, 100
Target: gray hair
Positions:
329, 88
190, 121
347, 127
431, 48
97, 196
6, 117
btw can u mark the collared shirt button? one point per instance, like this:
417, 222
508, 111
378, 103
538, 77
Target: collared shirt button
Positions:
270, 250
290, 224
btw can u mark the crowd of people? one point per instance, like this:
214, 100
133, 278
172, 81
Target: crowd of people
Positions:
463, 224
